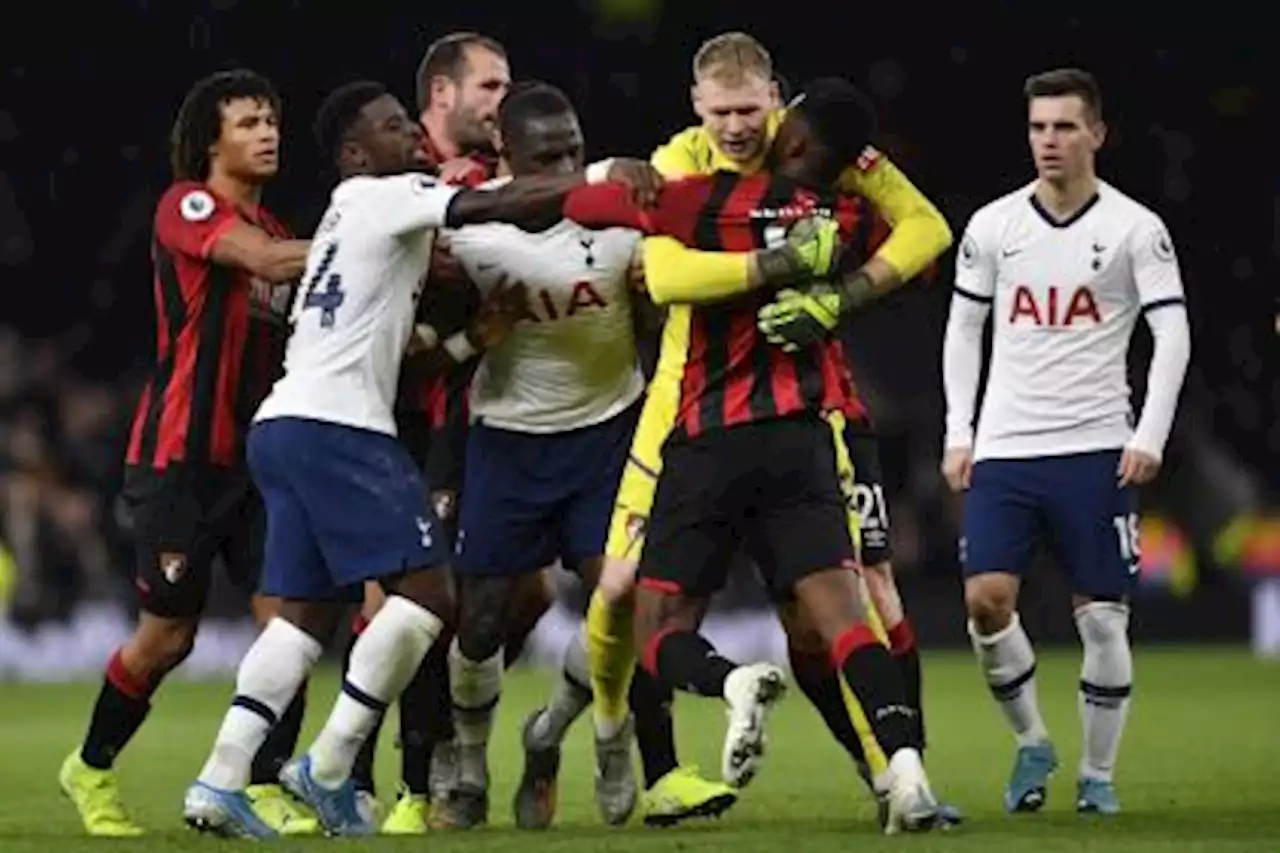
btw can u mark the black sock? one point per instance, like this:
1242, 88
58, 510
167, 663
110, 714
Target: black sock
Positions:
362, 769
685, 661
655, 734
281, 741
820, 684
123, 703
873, 676
902, 645
415, 755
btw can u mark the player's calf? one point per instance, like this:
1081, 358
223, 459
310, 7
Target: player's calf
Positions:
1106, 682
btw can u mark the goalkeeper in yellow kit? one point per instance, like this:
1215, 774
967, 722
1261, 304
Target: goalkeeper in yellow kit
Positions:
736, 98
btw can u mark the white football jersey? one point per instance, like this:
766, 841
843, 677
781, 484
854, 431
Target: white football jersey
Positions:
571, 361
1065, 297
353, 314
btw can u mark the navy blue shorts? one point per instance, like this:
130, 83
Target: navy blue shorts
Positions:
1071, 504
529, 498
344, 505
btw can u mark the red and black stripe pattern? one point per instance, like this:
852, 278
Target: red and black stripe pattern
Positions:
219, 347
732, 375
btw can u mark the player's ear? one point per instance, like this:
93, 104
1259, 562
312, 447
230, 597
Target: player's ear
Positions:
696, 99
775, 94
442, 89
1099, 130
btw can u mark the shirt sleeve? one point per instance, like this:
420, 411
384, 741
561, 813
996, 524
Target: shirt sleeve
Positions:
609, 205
976, 261
413, 202
190, 219
1155, 266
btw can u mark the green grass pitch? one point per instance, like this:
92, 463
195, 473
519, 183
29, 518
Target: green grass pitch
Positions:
1200, 769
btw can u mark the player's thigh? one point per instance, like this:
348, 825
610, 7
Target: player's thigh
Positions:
364, 499
692, 526
801, 513
511, 490
1002, 522
293, 566
167, 514
866, 490
598, 458
638, 482
1093, 524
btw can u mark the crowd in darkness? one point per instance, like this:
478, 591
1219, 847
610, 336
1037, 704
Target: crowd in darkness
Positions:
76, 195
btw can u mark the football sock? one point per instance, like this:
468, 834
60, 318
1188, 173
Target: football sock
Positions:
820, 684
269, 680
476, 686
611, 652
650, 701
419, 723
686, 661
383, 662
902, 645
123, 703
1106, 681
874, 681
570, 696
281, 742
1009, 666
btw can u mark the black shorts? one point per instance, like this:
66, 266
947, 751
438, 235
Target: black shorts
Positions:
867, 497
180, 521
770, 487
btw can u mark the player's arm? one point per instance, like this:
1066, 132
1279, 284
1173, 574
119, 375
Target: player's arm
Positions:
919, 233
971, 300
1159, 285
429, 353
192, 221
675, 274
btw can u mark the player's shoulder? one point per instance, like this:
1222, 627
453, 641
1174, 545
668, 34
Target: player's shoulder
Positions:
996, 216
1124, 212
685, 153
189, 201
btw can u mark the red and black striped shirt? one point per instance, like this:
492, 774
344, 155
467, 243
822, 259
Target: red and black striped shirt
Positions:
220, 337
731, 374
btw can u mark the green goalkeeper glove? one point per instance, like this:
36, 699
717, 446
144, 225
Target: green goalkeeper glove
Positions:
798, 318
811, 250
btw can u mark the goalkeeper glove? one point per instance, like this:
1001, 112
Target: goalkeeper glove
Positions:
811, 250
798, 318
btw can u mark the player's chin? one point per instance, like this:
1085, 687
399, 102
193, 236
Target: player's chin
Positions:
265, 169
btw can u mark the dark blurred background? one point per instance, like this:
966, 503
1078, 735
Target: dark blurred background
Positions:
87, 92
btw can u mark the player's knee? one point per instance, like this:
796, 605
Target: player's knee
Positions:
990, 601
484, 620
373, 599
1102, 624
617, 581
160, 645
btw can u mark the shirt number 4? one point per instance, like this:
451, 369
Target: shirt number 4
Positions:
324, 289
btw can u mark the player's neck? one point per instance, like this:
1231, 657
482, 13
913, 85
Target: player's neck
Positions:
434, 124
1064, 199
243, 195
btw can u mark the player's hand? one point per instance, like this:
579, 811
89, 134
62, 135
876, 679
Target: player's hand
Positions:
957, 468
811, 250
798, 318
463, 171
506, 303
644, 181
1137, 467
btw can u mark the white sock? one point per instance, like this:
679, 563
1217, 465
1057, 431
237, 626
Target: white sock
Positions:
383, 662
1009, 665
571, 694
476, 686
1106, 680
269, 677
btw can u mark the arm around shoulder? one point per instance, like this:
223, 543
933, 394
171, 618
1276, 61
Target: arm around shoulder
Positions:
250, 248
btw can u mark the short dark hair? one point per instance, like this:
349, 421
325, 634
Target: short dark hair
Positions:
198, 125
447, 57
339, 112
840, 114
1066, 81
530, 99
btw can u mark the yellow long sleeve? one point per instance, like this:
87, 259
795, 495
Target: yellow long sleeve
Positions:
919, 233
675, 273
